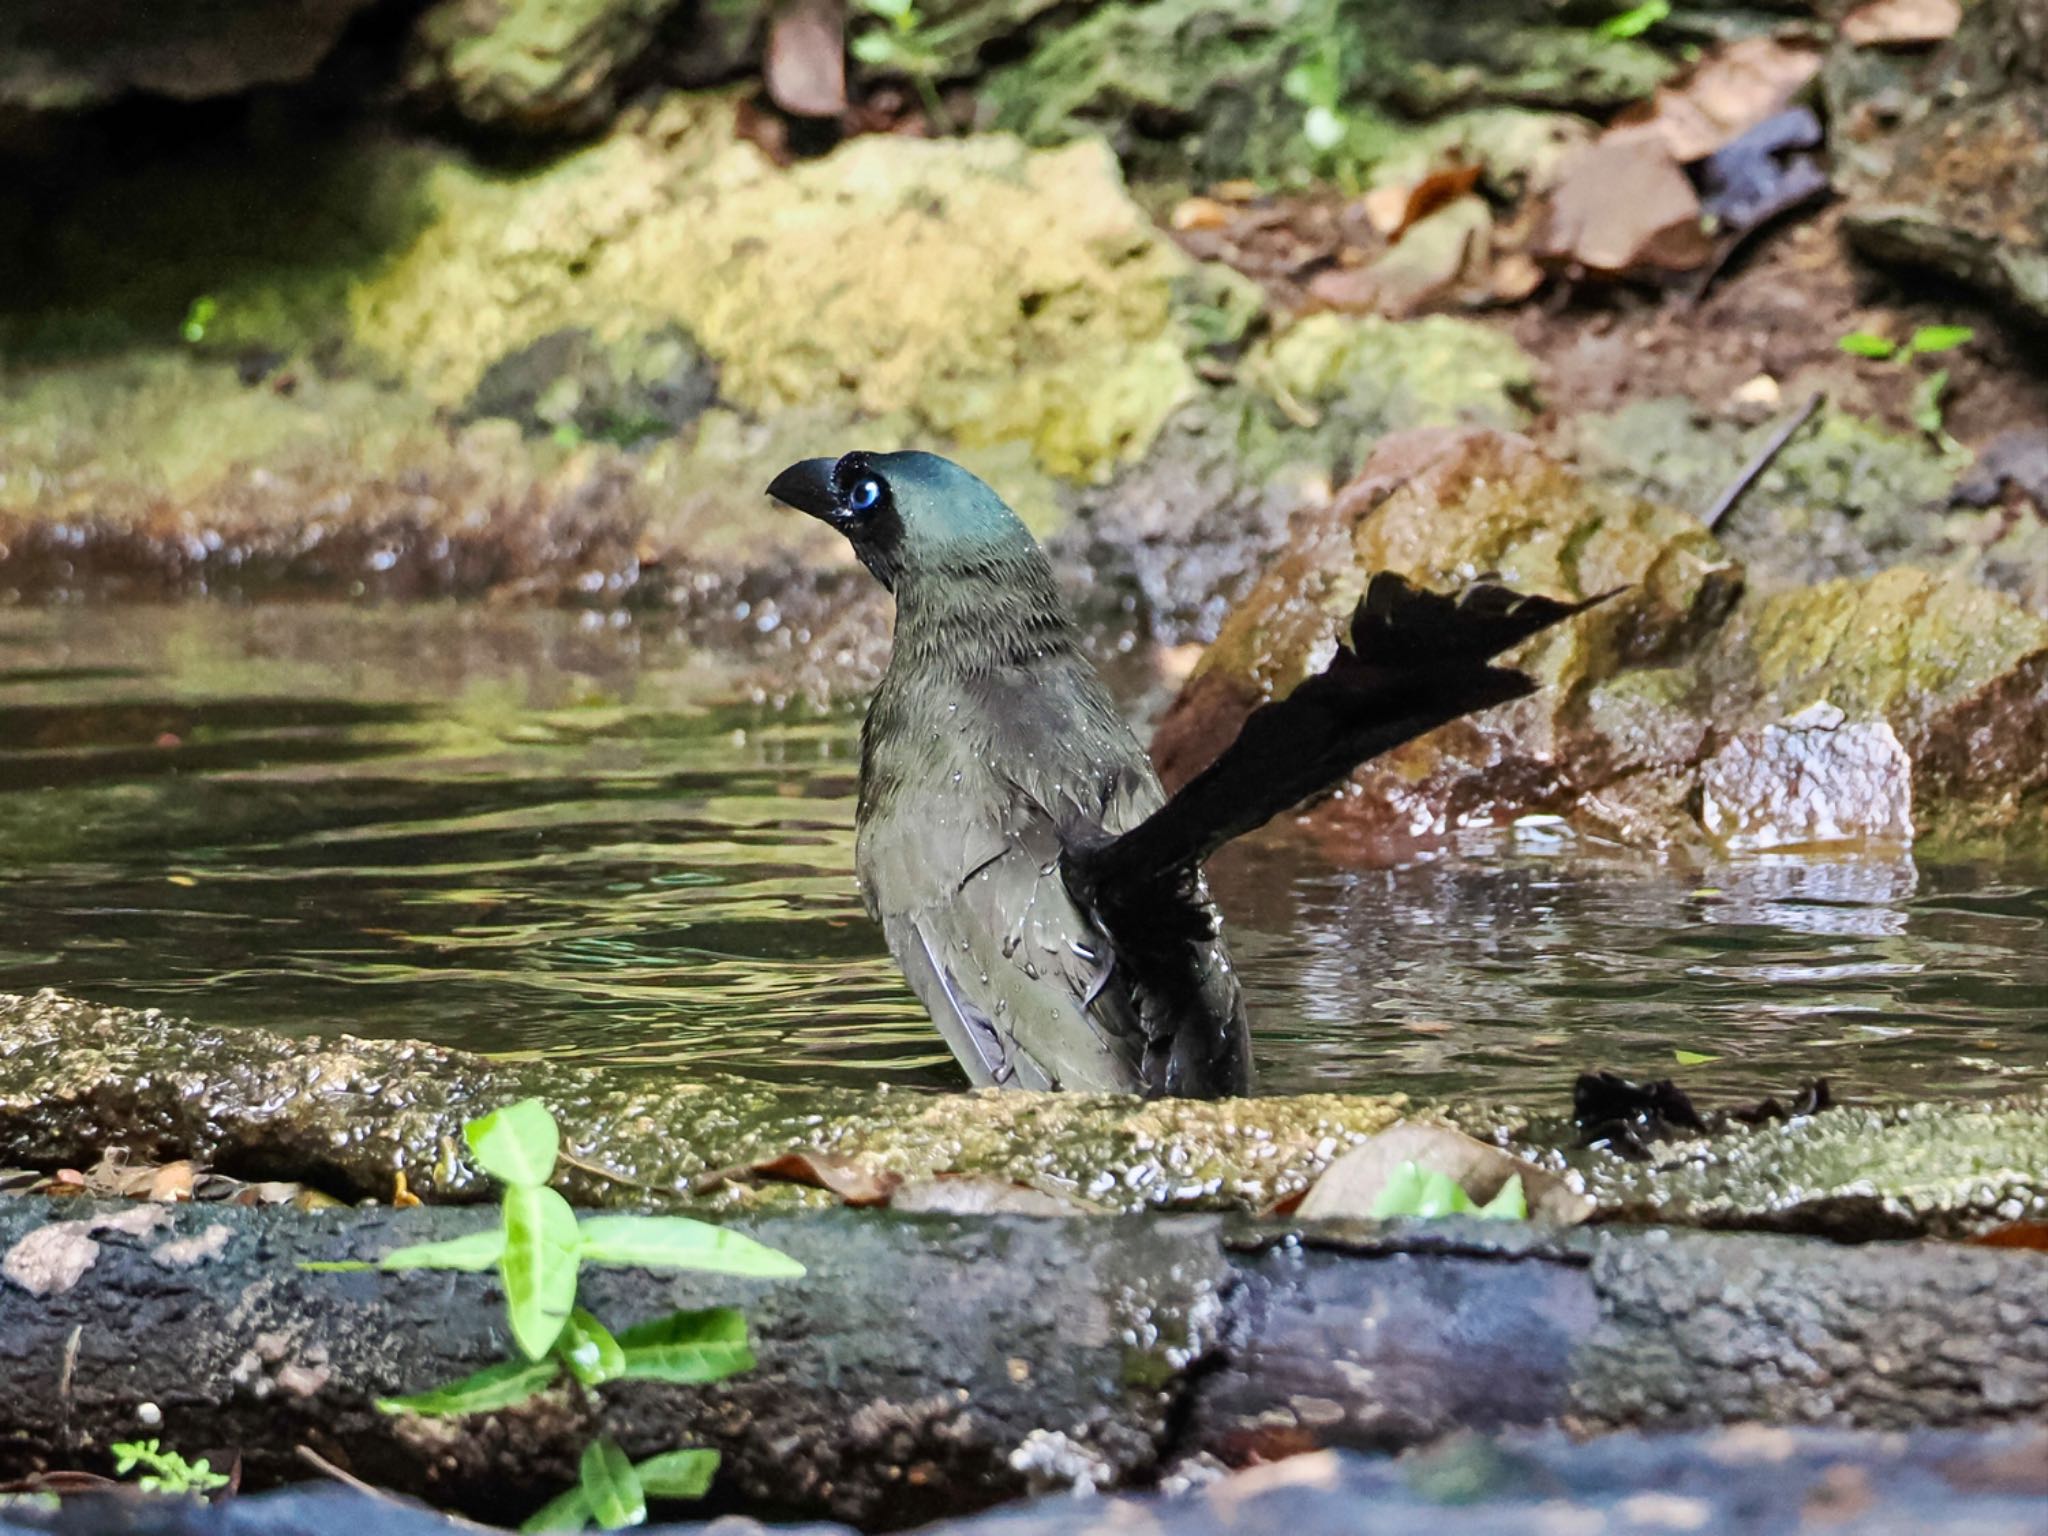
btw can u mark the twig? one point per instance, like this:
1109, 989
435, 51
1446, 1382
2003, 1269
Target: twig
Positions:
1725, 502
326, 1468
596, 1171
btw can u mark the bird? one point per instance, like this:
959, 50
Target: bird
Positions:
1042, 894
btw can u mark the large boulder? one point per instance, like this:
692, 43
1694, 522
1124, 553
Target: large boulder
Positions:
1857, 709
1042, 310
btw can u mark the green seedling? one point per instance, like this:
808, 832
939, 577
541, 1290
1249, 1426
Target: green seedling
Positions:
538, 1248
1412, 1190
1635, 21
1925, 408
899, 45
167, 1471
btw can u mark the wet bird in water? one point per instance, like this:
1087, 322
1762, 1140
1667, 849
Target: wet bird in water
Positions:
1041, 892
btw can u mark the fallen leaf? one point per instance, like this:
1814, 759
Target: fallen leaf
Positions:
1902, 23
805, 66
1351, 1185
1437, 190
1729, 92
1622, 207
1201, 213
2014, 1234
170, 1183
1443, 258
854, 1181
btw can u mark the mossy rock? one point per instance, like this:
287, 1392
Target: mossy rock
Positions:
1197, 86
530, 66
1042, 309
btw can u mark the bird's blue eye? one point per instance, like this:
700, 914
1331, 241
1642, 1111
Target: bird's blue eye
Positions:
864, 495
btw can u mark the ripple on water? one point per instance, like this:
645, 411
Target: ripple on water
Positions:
516, 833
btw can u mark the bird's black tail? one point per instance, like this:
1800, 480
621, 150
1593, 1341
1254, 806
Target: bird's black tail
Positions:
1417, 660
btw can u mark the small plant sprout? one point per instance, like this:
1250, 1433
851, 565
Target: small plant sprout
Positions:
1412, 1190
898, 45
198, 316
1925, 408
166, 1471
1635, 21
537, 1248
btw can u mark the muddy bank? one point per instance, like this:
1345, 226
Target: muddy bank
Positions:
349, 1115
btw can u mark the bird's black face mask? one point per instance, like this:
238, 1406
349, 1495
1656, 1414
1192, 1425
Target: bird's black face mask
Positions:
851, 494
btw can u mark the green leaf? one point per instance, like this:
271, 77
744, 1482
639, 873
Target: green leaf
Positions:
472, 1253
877, 50
565, 1512
1692, 1058
589, 1350
677, 1474
687, 1348
1400, 1194
1937, 338
888, 10
504, 1385
678, 1242
1863, 344
1510, 1202
518, 1143
1635, 21
539, 1266
1442, 1195
1926, 405
333, 1266
611, 1488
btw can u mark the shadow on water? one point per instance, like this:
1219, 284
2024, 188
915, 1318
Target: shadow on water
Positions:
535, 832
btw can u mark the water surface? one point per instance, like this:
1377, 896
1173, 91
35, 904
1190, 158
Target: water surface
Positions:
546, 833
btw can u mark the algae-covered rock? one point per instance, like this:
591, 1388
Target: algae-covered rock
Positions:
1854, 1172
349, 1114
1194, 84
1442, 507
530, 66
1189, 526
1958, 672
1844, 497
994, 293
1641, 699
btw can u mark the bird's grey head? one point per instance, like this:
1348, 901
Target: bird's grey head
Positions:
906, 512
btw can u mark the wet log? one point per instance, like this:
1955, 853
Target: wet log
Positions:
927, 1366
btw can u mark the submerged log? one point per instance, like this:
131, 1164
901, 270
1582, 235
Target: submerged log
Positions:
928, 1365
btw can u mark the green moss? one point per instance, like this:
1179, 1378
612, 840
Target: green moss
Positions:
1041, 310
1201, 86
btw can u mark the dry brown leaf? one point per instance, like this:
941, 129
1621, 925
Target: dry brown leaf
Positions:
1623, 206
2014, 1234
805, 67
1435, 191
170, 1183
1727, 94
1902, 23
1201, 213
1350, 1186
853, 1180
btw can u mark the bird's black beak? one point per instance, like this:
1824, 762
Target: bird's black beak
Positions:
807, 486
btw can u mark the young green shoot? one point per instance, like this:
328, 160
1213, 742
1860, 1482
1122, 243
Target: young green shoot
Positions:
1412, 1190
166, 1471
898, 45
538, 1249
